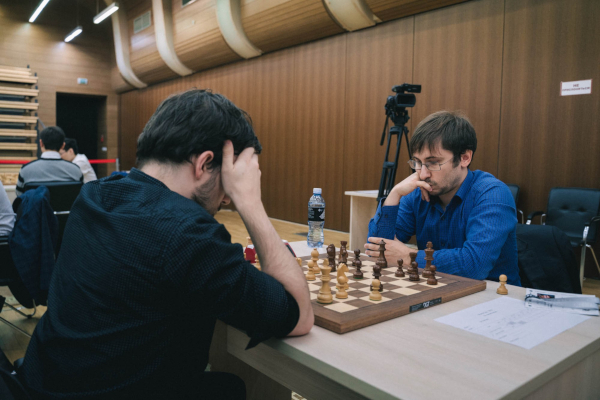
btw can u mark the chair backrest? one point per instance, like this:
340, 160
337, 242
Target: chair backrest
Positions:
546, 259
62, 194
514, 190
62, 197
571, 208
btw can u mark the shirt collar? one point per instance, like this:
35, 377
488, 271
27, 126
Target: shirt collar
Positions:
51, 154
466, 185
138, 175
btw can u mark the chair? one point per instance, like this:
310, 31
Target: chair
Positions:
573, 210
514, 190
62, 197
10, 277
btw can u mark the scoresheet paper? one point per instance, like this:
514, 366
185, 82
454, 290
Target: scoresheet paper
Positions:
508, 320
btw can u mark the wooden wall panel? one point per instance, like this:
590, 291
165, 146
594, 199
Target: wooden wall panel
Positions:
295, 96
198, 41
146, 61
388, 10
274, 25
372, 69
549, 140
59, 64
316, 155
458, 60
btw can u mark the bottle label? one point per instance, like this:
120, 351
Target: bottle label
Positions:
316, 214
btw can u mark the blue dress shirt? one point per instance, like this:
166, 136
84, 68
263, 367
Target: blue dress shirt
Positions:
474, 237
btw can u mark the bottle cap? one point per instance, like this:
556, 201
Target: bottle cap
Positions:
316, 190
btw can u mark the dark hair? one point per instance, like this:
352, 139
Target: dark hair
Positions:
71, 144
53, 138
191, 123
451, 128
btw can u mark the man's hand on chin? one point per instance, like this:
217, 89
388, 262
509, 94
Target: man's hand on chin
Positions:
394, 250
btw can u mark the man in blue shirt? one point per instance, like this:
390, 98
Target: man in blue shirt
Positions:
469, 216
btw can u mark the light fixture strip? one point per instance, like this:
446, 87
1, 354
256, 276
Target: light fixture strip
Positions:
74, 33
38, 10
107, 12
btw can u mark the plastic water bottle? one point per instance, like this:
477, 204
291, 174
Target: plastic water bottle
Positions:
316, 219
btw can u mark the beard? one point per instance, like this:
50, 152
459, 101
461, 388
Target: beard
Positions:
204, 196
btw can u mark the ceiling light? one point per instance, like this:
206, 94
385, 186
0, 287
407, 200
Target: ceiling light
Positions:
73, 34
38, 10
106, 13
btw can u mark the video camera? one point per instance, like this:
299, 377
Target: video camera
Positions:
402, 100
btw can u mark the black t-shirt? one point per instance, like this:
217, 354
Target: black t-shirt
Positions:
143, 274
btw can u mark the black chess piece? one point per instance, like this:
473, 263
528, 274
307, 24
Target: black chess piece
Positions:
381, 261
400, 272
357, 264
343, 252
331, 257
377, 275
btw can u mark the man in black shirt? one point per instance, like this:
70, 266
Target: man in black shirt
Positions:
145, 270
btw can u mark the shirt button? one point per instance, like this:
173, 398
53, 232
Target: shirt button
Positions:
443, 218
385, 215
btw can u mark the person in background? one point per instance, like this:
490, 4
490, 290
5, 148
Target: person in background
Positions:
49, 167
7, 216
71, 153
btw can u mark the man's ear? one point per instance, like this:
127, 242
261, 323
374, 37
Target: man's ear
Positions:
63, 146
466, 158
200, 163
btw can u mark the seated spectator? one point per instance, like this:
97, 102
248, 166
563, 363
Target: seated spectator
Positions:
7, 216
71, 153
50, 167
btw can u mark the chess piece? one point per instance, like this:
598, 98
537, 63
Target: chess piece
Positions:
299, 260
413, 274
310, 275
357, 264
431, 280
343, 281
502, 289
343, 268
249, 251
381, 261
400, 272
315, 258
331, 257
376, 276
257, 262
343, 252
375, 291
325, 296
428, 260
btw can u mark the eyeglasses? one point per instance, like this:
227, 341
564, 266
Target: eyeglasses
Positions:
434, 166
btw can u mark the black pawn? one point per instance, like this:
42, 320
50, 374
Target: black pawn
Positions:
400, 272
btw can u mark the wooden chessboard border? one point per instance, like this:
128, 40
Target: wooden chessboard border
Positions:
367, 316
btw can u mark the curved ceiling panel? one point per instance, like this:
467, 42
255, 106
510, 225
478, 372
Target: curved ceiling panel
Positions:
388, 10
276, 24
197, 38
146, 61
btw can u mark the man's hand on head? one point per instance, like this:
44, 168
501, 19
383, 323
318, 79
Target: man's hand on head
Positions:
241, 177
394, 250
407, 186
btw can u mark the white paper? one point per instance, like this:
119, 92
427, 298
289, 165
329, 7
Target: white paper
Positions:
585, 304
508, 320
576, 87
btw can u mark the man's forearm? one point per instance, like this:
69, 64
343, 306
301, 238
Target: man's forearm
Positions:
277, 261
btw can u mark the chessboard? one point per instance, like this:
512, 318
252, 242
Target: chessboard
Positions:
400, 296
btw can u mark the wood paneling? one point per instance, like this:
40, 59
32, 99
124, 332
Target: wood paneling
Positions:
372, 70
274, 25
548, 140
458, 60
388, 10
146, 61
59, 64
198, 41
319, 107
